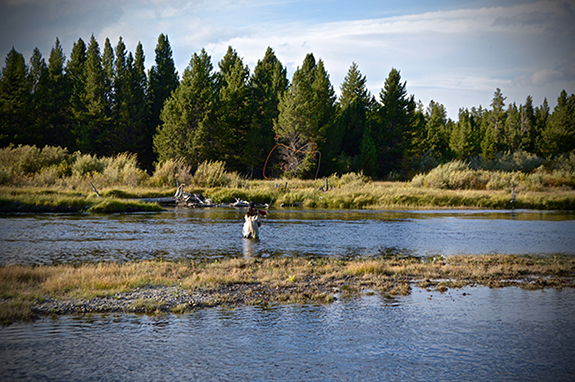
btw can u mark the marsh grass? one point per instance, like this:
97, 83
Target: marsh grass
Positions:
285, 280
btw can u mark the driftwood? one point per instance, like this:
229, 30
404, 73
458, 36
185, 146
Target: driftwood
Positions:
239, 203
95, 190
190, 200
198, 200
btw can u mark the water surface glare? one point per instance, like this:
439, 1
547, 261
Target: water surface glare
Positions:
212, 233
477, 334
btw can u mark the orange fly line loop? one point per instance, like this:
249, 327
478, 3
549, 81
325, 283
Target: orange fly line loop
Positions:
292, 149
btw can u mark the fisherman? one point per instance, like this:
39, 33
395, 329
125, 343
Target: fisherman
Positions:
253, 223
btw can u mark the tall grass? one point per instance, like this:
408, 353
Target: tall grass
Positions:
454, 184
169, 172
458, 175
214, 174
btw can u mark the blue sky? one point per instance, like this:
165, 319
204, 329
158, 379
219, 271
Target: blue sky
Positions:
453, 52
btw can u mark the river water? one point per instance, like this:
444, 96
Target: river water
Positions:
477, 334
214, 233
469, 334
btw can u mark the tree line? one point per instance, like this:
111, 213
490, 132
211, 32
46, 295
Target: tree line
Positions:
261, 123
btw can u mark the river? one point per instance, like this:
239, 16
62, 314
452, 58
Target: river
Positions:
214, 233
473, 333
477, 334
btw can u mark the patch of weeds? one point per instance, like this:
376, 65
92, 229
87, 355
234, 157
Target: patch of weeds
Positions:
426, 284
15, 310
148, 305
396, 288
181, 309
348, 291
441, 287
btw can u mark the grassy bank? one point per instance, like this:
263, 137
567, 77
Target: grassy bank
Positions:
360, 195
390, 195
49, 200
271, 281
51, 179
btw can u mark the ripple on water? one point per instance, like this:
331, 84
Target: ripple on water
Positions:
216, 233
471, 333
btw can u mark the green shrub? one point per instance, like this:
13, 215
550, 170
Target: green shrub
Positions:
352, 179
5, 175
86, 164
27, 160
123, 169
214, 174
167, 173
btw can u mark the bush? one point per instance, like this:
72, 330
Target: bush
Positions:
517, 161
86, 164
213, 174
170, 171
123, 169
451, 175
352, 179
565, 162
27, 160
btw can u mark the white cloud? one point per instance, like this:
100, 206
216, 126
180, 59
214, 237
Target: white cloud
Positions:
446, 55
539, 78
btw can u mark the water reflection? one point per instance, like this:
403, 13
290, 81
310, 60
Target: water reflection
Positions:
216, 233
249, 247
468, 334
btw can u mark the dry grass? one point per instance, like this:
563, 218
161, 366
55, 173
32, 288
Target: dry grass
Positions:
286, 280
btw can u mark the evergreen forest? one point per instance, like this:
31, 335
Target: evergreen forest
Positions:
260, 123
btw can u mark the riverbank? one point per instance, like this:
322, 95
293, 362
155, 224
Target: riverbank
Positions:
309, 194
157, 287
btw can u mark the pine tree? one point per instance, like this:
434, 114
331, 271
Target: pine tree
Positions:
306, 113
14, 100
38, 71
109, 76
120, 101
344, 142
541, 118
94, 135
139, 132
488, 144
186, 112
37, 106
463, 139
397, 113
527, 128
267, 85
559, 134
354, 86
497, 119
163, 80
233, 114
437, 137
512, 128
76, 81
58, 116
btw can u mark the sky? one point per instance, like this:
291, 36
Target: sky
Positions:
455, 52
